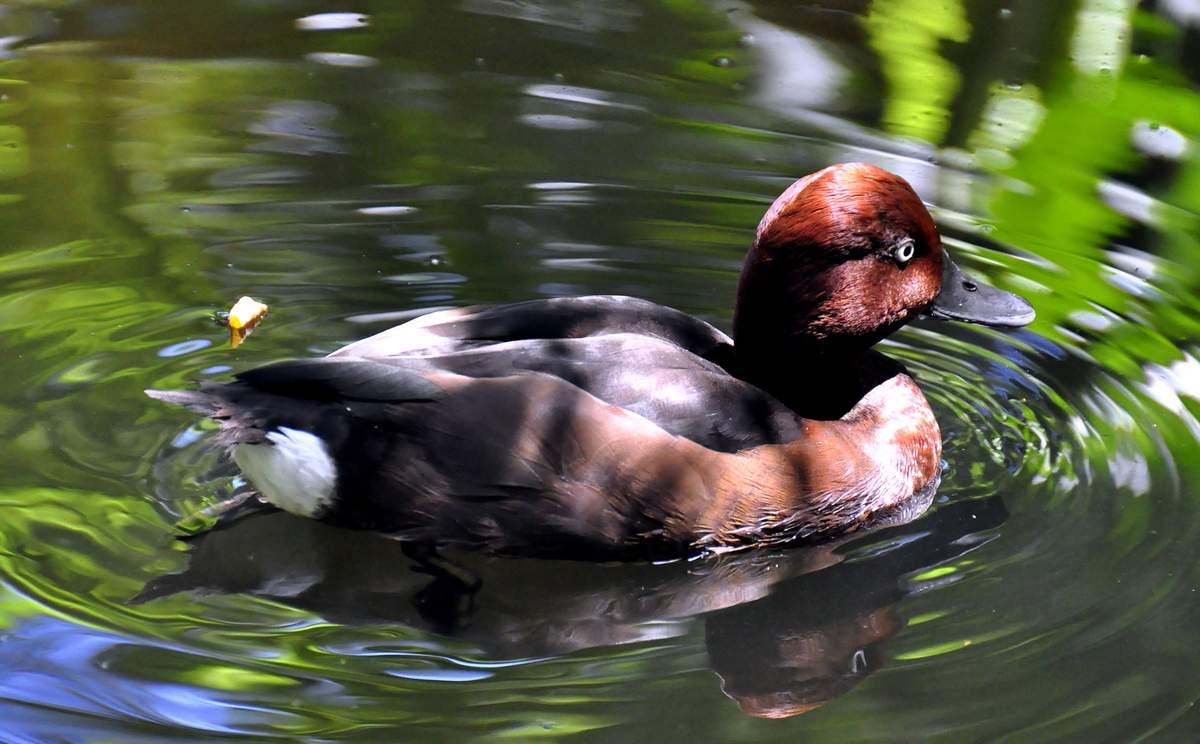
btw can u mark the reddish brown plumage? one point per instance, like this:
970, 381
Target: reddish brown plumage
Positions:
820, 277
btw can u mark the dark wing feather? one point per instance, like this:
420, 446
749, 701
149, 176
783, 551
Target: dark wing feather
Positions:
650, 359
343, 379
308, 394
671, 386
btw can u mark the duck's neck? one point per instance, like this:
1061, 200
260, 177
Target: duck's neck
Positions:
816, 384
783, 344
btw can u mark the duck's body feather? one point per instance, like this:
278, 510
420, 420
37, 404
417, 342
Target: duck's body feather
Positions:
563, 418
668, 385
644, 357
548, 470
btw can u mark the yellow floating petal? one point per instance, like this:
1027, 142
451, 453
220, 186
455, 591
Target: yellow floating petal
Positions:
243, 317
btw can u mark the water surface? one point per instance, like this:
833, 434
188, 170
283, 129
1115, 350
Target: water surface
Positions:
355, 166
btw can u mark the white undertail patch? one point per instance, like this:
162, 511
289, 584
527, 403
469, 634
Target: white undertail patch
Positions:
293, 472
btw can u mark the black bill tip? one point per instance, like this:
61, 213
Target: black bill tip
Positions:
965, 299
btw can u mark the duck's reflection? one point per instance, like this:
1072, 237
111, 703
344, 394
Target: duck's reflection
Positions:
786, 631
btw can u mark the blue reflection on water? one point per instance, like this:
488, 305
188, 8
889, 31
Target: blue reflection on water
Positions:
184, 347
49, 662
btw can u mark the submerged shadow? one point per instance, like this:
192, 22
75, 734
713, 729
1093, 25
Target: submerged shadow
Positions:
786, 631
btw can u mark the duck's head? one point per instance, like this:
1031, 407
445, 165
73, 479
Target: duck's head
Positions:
846, 256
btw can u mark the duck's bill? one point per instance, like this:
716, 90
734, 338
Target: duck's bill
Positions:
963, 298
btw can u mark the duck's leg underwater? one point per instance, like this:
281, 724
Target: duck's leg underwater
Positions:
244, 502
448, 601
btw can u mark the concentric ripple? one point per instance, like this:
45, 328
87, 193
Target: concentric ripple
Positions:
355, 169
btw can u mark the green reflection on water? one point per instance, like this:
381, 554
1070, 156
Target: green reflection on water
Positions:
908, 35
153, 169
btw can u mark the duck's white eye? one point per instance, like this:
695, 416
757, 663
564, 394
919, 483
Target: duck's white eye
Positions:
904, 251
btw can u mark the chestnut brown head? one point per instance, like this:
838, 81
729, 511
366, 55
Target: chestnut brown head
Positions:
844, 257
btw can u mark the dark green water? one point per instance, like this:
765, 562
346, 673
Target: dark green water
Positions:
157, 160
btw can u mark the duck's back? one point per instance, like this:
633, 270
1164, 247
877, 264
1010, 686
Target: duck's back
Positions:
652, 360
459, 329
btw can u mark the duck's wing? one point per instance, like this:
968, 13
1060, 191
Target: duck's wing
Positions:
560, 318
665, 383
656, 361
525, 463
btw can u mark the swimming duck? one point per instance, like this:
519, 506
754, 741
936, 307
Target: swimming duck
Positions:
610, 427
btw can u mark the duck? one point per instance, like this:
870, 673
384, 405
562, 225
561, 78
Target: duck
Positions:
615, 428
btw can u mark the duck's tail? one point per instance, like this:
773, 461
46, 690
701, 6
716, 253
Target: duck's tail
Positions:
239, 422
295, 394
200, 401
